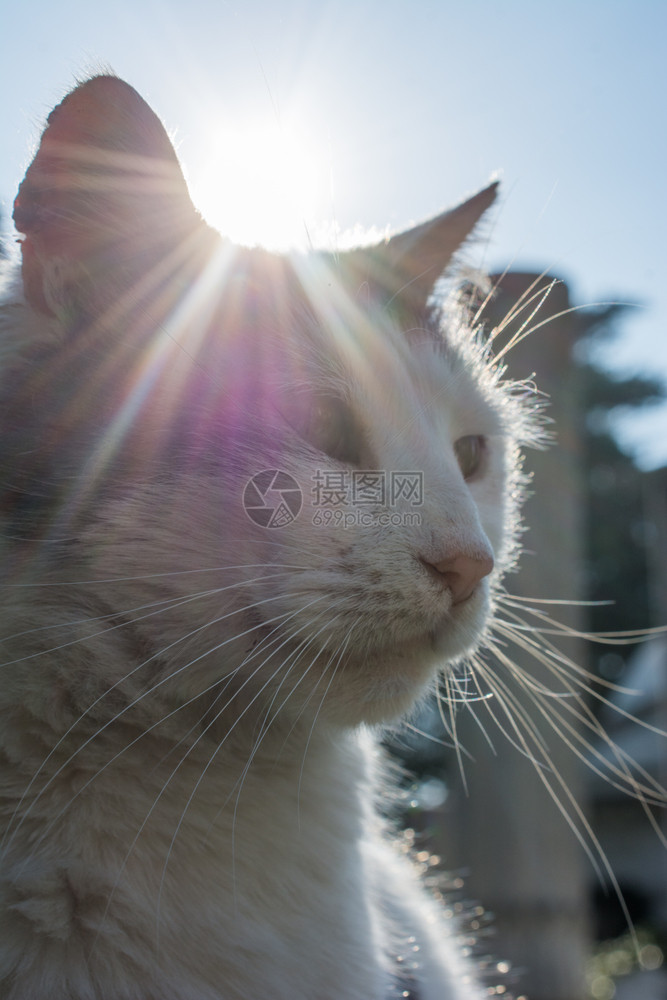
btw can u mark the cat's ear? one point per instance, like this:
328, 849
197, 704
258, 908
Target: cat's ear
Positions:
414, 260
103, 204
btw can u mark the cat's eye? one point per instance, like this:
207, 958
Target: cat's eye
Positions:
470, 453
327, 422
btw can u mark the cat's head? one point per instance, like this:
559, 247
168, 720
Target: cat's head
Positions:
308, 471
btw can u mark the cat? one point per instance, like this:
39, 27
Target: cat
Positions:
252, 505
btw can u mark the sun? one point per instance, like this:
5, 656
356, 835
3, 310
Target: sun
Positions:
263, 185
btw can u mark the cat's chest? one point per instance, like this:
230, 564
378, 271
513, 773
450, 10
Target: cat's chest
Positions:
294, 888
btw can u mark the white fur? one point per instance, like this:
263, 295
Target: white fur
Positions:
172, 837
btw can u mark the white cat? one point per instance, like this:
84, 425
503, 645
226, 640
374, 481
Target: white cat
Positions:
251, 505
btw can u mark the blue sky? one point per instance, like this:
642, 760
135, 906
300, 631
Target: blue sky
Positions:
404, 107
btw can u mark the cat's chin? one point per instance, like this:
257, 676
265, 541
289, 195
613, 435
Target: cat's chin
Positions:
387, 683
460, 632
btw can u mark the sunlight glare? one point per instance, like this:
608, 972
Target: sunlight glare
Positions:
263, 186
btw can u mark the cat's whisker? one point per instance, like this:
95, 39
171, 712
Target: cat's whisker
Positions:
462, 677
128, 707
527, 734
632, 778
165, 607
281, 619
339, 660
512, 710
648, 793
578, 823
238, 787
508, 268
326, 667
552, 318
619, 638
261, 648
430, 738
166, 604
577, 708
155, 656
449, 722
144, 577
270, 715
539, 692
175, 770
293, 655
263, 728
568, 805
535, 292
478, 675
520, 601
564, 667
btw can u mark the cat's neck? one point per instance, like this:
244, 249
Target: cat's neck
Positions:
194, 836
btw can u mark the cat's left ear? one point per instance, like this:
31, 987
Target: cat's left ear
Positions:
414, 260
104, 207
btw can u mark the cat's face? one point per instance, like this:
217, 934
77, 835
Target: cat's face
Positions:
286, 456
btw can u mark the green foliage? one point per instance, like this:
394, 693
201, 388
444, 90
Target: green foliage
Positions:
617, 529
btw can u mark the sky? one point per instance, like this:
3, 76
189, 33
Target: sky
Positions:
360, 115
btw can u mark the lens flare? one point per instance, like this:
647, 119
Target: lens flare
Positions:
263, 186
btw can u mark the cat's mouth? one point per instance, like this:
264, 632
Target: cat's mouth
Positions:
389, 680
446, 629
460, 631
371, 663
457, 632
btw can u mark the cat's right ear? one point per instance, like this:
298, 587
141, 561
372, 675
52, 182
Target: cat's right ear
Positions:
104, 207
413, 261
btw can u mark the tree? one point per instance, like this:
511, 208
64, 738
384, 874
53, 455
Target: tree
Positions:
617, 527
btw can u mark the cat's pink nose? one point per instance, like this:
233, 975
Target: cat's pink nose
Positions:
460, 574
